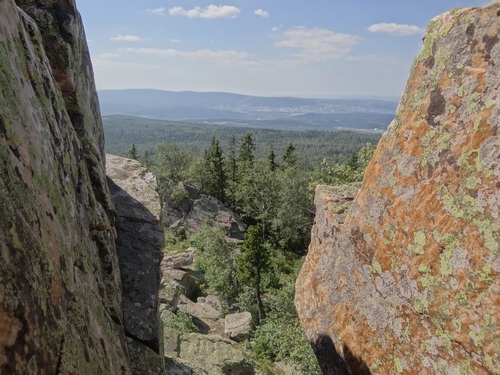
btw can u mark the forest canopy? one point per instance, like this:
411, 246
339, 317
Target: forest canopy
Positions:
314, 146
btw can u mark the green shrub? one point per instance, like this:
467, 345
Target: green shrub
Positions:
180, 321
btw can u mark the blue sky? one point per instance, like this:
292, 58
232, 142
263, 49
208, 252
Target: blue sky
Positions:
314, 48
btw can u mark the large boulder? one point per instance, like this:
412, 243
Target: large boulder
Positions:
214, 355
238, 326
207, 318
178, 260
60, 287
409, 281
135, 182
191, 281
170, 294
199, 209
139, 246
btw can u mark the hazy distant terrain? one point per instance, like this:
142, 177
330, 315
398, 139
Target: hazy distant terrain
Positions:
123, 131
250, 111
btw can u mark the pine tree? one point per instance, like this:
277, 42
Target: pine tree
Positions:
271, 158
172, 162
253, 262
247, 147
132, 153
231, 173
289, 157
146, 159
214, 165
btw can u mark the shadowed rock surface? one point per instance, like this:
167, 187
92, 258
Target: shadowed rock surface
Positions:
60, 289
138, 244
60, 285
408, 281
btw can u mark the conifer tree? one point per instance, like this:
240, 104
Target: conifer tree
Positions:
132, 153
247, 147
253, 262
215, 174
231, 173
271, 158
289, 157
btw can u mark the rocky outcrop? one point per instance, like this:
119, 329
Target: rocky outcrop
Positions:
409, 281
139, 246
238, 326
60, 288
196, 210
178, 260
213, 354
193, 325
137, 182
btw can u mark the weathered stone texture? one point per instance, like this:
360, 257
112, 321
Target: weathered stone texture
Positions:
60, 300
138, 244
409, 282
198, 210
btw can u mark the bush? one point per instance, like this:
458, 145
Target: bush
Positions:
215, 258
179, 321
179, 196
281, 337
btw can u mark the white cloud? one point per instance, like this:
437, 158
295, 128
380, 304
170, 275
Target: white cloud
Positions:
203, 54
396, 29
127, 38
318, 44
105, 63
175, 41
108, 56
158, 11
211, 11
262, 13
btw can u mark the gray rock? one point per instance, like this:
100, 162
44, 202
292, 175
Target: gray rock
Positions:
177, 367
202, 311
190, 280
60, 289
178, 260
213, 301
213, 354
238, 326
169, 294
200, 209
171, 342
137, 182
139, 243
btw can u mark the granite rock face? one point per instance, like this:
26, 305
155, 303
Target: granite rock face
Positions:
408, 282
60, 288
213, 355
139, 243
238, 326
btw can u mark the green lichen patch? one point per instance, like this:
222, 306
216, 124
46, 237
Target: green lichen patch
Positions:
375, 267
419, 242
443, 141
489, 104
427, 279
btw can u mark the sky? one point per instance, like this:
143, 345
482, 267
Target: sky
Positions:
313, 48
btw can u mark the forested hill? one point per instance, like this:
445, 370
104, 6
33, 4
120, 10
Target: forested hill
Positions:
242, 110
122, 132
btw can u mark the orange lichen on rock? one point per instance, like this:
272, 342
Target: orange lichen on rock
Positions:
409, 279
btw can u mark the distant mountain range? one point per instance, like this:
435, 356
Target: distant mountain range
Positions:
285, 113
